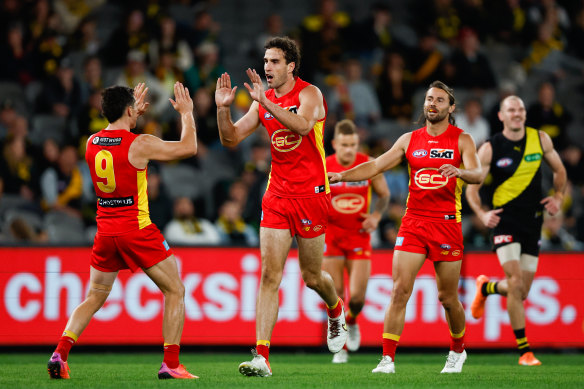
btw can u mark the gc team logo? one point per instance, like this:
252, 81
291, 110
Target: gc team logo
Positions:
429, 178
285, 140
348, 203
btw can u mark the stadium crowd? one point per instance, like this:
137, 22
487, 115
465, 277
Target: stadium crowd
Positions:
373, 68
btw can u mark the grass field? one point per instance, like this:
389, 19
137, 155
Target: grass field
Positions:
295, 370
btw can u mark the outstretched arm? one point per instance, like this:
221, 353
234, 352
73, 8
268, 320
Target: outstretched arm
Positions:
553, 203
310, 111
232, 133
367, 170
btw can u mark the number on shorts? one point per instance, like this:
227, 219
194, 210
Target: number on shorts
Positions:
104, 168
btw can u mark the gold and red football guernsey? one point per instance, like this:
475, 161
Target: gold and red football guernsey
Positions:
298, 162
348, 199
431, 195
122, 201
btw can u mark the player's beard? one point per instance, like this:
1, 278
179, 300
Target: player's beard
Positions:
438, 118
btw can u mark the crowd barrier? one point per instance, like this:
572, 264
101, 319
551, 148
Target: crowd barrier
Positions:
41, 286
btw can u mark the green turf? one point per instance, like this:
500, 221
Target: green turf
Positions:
314, 370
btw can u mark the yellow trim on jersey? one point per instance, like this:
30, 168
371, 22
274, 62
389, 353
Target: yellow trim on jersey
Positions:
527, 169
319, 140
143, 213
457, 198
368, 210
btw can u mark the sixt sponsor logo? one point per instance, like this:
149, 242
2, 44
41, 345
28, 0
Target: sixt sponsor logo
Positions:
421, 153
442, 153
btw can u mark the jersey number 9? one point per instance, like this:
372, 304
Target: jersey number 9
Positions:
104, 168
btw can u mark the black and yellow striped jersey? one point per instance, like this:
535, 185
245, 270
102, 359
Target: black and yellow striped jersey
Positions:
516, 171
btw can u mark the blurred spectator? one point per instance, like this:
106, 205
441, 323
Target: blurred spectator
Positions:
8, 117
206, 68
72, 12
426, 61
473, 14
576, 35
205, 116
370, 38
85, 39
205, 29
130, 36
508, 22
17, 63
92, 80
361, 94
548, 115
61, 94
259, 167
186, 228
468, 67
159, 204
62, 187
167, 72
168, 41
136, 72
546, 54
439, 16
471, 120
555, 237
394, 91
16, 167
232, 227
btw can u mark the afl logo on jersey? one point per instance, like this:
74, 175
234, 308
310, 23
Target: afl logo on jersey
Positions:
348, 203
268, 116
504, 162
421, 153
285, 140
429, 178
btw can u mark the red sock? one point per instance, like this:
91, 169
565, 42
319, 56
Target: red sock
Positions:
336, 310
171, 352
64, 346
350, 319
457, 344
389, 346
263, 350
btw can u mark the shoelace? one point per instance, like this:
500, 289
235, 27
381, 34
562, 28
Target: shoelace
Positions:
451, 360
335, 326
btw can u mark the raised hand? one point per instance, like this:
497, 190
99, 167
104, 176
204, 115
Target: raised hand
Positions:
182, 102
140, 103
257, 92
224, 94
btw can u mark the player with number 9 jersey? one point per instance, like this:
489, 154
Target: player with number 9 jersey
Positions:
122, 201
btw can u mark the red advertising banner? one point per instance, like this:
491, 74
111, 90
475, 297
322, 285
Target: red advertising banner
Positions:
41, 286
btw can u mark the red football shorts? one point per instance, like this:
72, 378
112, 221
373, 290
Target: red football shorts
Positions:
136, 249
350, 244
439, 241
307, 217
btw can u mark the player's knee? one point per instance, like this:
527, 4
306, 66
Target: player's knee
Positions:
176, 289
448, 300
400, 294
311, 280
515, 286
270, 280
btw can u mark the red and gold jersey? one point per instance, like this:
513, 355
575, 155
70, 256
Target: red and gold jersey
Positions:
431, 195
298, 162
122, 201
348, 199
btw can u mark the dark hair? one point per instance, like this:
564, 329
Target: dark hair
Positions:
450, 92
345, 127
289, 48
114, 101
